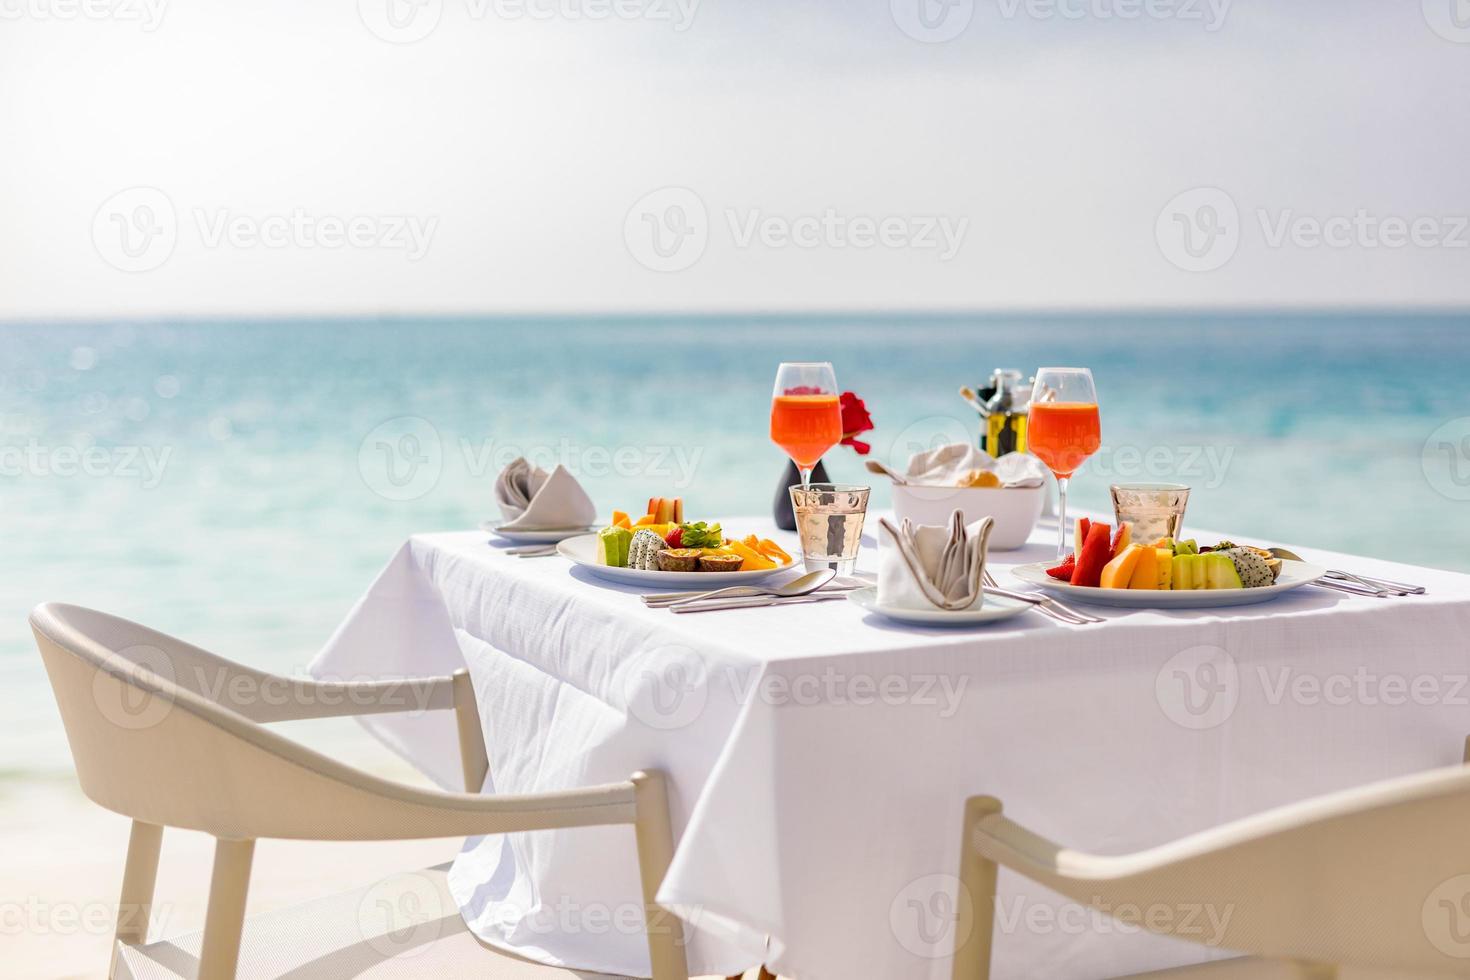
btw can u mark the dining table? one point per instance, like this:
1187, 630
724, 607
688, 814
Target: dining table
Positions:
820, 754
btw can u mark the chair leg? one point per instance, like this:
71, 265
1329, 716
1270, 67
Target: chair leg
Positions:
977, 886
225, 918
472, 758
655, 854
135, 904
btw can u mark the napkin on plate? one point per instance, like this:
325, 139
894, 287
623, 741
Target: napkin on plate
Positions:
931, 565
947, 466
531, 499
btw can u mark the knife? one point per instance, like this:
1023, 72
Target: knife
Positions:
755, 601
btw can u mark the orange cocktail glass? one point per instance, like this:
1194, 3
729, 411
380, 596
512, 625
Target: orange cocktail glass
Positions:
1063, 430
806, 415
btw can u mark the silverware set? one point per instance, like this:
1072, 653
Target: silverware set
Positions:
1045, 604
1341, 581
532, 551
815, 586
1351, 584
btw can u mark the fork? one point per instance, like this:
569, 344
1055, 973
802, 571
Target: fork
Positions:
1377, 584
1354, 588
1045, 604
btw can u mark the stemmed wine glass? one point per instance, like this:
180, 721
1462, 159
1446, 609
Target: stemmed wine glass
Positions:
1063, 429
806, 417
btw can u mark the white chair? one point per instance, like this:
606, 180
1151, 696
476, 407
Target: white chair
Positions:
1373, 881
172, 736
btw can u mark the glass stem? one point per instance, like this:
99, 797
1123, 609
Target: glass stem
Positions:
1062, 518
806, 474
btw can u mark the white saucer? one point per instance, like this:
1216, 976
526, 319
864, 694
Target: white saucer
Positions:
534, 535
992, 609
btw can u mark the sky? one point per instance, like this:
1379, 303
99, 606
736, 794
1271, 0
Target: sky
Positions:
183, 157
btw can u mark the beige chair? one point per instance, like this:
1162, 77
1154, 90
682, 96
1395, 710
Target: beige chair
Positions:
1373, 881
172, 736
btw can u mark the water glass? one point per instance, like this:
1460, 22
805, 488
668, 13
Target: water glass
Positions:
829, 523
1156, 510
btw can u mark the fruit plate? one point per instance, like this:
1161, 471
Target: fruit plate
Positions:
992, 609
533, 535
1294, 574
583, 551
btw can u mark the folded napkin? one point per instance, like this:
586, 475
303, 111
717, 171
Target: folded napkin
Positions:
948, 466
531, 499
933, 566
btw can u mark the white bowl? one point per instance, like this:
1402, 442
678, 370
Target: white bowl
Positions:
1015, 509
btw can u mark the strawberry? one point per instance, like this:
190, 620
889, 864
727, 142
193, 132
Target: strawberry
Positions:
675, 538
1064, 570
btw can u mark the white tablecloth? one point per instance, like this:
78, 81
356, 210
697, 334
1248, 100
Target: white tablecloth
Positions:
820, 755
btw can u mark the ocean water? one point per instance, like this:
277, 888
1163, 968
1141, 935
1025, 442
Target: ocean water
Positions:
240, 483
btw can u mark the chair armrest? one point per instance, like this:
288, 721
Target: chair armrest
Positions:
265, 698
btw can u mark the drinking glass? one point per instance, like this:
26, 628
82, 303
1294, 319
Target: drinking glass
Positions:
829, 522
1156, 510
806, 415
1063, 429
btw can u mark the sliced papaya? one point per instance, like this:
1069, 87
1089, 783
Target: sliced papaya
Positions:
752, 559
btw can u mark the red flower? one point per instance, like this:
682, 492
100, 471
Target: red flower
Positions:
855, 420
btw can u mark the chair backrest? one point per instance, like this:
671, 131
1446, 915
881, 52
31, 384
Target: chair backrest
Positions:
149, 742
1373, 876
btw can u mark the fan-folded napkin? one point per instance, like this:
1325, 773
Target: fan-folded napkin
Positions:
532, 499
933, 566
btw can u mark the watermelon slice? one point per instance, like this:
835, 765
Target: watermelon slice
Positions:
1094, 555
1123, 538
1079, 533
1064, 570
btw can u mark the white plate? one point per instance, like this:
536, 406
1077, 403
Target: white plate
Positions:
993, 608
1294, 574
583, 551
533, 536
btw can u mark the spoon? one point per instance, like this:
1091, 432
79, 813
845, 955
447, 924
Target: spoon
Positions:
883, 468
810, 582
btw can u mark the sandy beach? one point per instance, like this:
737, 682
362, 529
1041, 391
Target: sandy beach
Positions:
64, 862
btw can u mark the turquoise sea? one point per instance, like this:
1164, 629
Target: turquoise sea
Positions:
239, 483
